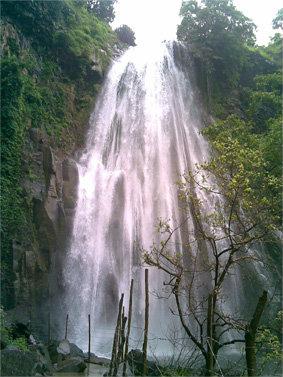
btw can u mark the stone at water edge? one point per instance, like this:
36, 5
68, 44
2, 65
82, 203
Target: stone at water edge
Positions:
64, 347
75, 351
96, 359
43, 354
71, 365
135, 361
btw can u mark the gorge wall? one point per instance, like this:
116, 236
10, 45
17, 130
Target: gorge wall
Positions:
48, 91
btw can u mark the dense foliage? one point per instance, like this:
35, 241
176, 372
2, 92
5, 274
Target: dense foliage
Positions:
238, 77
8, 337
47, 82
126, 35
103, 9
217, 34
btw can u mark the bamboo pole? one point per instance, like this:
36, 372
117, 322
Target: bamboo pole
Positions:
121, 343
144, 347
128, 328
66, 326
49, 327
89, 338
116, 336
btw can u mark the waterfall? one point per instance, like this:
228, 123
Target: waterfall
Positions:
143, 134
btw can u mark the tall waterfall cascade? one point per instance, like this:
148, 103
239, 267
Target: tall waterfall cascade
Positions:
143, 134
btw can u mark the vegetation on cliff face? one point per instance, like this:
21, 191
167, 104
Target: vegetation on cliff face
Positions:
55, 54
237, 77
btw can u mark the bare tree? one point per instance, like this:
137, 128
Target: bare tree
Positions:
217, 242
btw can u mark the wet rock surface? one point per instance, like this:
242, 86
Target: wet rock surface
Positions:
50, 190
46, 360
135, 361
20, 363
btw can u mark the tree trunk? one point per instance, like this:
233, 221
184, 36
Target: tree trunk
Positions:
250, 335
210, 358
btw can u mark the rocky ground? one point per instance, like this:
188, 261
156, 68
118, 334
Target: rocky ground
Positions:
50, 359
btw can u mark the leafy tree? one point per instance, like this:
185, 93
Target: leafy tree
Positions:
104, 9
277, 23
126, 35
217, 34
228, 222
262, 107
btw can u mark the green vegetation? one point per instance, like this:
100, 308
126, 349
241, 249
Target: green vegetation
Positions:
48, 82
7, 337
103, 9
126, 35
237, 77
218, 36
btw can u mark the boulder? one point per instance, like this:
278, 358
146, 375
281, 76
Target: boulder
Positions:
135, 361
75, 351
19, 363
44, 358
65, 348
96, 359
71, 365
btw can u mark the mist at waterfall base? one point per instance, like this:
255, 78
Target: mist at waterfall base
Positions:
143, 134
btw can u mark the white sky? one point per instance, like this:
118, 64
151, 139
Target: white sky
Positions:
156, 20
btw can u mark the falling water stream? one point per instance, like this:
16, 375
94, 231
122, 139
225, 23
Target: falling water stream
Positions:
143, 133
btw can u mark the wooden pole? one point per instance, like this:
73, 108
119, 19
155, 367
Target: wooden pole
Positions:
128, 328
49, 327
144, 347
116, 336
121, 343
89, 338
66, 327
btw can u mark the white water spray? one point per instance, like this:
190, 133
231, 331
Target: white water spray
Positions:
144, 133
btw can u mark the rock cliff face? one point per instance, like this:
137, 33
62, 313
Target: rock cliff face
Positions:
46, 178
52, 197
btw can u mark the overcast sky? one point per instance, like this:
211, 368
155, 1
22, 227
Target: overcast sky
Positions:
156, 20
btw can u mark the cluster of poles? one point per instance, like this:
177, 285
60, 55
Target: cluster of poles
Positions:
121, 337
120, 346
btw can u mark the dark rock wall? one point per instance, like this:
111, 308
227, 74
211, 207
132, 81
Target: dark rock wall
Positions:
52, 197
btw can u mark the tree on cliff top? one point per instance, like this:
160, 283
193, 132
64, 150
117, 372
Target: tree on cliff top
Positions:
218, 35
103, 9
278, 20
126, 35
